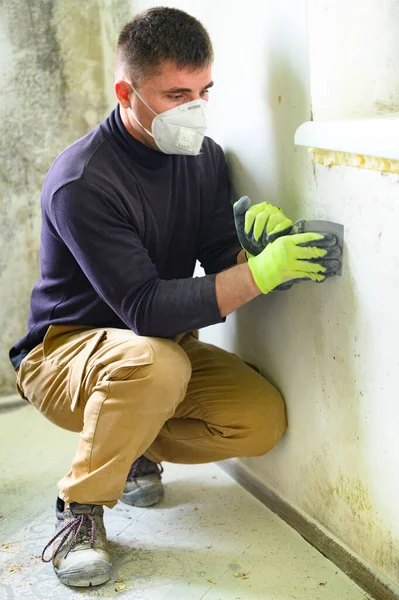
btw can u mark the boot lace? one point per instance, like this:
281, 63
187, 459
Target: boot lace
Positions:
78, 529
143, 466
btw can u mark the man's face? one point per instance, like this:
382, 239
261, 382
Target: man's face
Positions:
163, 91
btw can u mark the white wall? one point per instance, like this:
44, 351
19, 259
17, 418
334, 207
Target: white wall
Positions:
354, 57
332, 349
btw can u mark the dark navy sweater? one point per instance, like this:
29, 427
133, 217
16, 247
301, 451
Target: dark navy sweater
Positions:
122, 228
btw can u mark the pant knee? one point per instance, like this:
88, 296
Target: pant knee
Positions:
158, 359
171, 364
155, 369
268, 426
163, 380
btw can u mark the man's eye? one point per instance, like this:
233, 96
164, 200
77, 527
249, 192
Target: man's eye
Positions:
175, 96
204, 92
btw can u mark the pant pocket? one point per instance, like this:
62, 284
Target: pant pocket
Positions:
78, 367
125, 370
119, 355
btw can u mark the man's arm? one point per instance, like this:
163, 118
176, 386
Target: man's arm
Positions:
235, 287
110, 253
218, 244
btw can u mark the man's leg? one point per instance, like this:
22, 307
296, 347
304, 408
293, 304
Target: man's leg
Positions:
117, 389
125, 390
229, 411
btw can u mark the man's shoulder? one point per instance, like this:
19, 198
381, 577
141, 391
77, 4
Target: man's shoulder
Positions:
87, 153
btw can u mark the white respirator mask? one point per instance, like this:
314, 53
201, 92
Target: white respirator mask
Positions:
181, 129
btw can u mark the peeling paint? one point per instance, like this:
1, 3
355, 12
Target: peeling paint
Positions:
330, 158
383, 108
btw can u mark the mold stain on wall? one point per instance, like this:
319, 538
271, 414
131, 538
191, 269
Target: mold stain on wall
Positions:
52, 92
339, 501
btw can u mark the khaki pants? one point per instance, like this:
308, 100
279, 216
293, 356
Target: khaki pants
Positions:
182, 401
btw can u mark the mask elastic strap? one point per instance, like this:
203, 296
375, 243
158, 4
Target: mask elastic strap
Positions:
136, 119
142, 99
149, 107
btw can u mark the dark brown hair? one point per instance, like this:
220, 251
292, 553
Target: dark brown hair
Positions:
159, 34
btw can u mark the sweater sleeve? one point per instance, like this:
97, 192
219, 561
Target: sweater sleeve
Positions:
219, 245
109, 251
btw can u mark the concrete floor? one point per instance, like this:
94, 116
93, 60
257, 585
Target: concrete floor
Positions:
208, 539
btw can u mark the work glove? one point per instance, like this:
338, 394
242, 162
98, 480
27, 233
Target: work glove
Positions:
259, 225
294, 258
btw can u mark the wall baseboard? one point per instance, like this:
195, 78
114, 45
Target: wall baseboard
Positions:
352, 565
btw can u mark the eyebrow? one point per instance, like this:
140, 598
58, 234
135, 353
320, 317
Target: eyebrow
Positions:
177, 90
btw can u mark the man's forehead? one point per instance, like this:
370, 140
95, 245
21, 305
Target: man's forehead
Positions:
170, 77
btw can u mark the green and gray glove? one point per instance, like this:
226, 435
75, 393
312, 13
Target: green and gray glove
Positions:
262, 225
259, 225
293, 258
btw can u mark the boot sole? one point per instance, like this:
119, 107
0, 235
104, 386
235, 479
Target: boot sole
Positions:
142, 497
99, 575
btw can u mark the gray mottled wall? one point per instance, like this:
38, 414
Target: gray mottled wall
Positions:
56, 75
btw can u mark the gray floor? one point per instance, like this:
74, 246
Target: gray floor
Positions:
208, 539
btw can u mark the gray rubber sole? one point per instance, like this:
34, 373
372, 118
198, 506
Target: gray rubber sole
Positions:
144, 496
100, 574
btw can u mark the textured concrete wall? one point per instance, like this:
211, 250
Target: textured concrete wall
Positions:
56, 75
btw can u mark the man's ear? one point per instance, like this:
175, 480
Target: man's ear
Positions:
123, 89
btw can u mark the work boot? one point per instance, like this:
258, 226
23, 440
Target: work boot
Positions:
80, 556
143, 485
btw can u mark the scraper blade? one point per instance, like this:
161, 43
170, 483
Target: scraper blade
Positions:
303, 226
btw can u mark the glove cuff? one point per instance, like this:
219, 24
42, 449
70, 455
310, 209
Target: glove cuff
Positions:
258, 279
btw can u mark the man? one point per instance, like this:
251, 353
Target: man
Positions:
111, 349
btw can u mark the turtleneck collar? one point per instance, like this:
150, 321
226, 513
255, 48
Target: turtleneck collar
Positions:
141, 153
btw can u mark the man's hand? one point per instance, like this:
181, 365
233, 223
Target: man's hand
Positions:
294, 258
259, 225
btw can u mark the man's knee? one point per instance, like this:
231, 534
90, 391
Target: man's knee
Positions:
163, 359
165, 372
171, 365
154, 373
266, 425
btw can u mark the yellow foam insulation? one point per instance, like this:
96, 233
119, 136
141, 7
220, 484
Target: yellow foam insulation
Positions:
329, 158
